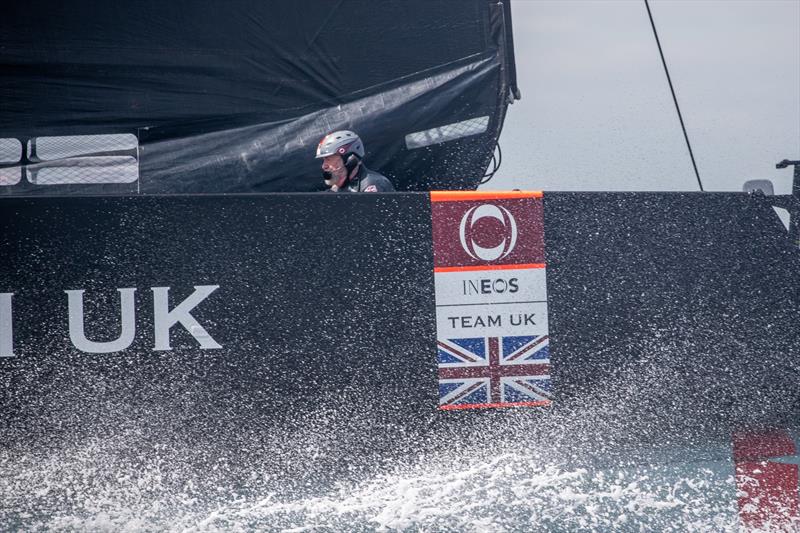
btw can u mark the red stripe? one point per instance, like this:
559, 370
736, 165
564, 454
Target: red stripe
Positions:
758, 445
450, 348
494, 368
475, 268
531, 388
486, 372
768, 490
467, 392
541, 403
529, 348
462, 196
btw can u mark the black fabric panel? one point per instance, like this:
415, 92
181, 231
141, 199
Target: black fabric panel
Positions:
235, 96
145, 63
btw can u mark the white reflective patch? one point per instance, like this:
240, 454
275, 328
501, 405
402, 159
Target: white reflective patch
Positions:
449, 132
10, 176
85, 170
491, 287
83, 159
783, 214
471, 321
50, 148
10, 150
6, 325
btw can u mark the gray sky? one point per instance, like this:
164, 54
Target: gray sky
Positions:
596, 112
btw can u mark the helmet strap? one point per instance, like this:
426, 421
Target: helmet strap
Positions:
351, 163
353, 171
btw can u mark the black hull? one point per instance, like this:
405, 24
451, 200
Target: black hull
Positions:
668, 312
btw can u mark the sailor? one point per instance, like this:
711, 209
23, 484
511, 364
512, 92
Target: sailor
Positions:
343, 169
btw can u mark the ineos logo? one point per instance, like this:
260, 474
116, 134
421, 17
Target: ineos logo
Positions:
473, 215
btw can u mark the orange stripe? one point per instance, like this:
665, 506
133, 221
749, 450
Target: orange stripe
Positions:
460, 196
522, 266
540, 403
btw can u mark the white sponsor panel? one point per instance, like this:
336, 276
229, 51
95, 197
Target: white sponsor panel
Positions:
6, 326
491, 300
492, 320
491, 286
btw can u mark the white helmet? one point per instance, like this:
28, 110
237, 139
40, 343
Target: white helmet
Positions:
342, 142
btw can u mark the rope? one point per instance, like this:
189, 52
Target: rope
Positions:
674, 98
494, 163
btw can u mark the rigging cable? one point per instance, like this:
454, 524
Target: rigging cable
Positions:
494, 162
674, 98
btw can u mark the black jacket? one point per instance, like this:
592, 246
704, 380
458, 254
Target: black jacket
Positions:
368, 181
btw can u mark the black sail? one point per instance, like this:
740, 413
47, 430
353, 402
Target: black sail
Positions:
206, 96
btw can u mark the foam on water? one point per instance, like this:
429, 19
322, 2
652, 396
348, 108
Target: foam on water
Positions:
478, 485
508, 493
589, 466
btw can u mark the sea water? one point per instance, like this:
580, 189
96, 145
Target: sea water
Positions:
506, 472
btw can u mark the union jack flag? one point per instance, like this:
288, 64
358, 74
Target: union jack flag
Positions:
494, 372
